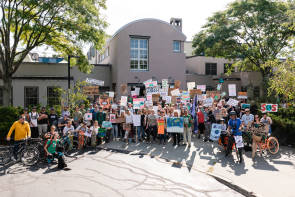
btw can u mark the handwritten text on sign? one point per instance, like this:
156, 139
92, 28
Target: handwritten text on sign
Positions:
269, 108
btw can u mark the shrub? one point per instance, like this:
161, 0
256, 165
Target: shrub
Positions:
7, 116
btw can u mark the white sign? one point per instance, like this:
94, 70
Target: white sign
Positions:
215, 131
175, 92
191, 85
133, 93
165, 83
94, 81
123, 100
163, 92
150, 84
136, 120
232, 90
201, 87
152, 90
111, 94
149, 97
88, 116
269, 108
232, 102
167, 99
239, 141
155, 108
208, 102
137, 91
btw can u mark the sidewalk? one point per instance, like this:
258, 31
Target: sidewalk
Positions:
270, 175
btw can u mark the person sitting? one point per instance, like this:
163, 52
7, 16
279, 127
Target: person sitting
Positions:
50, 149
223, 132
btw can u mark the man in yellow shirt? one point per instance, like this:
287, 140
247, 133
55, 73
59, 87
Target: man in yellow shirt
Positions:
22, 131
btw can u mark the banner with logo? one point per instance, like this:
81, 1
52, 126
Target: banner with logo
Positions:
138, 103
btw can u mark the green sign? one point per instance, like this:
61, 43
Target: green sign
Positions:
221, 80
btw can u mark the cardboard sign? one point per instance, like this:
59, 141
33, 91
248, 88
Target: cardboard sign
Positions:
232, 90
195, 92
213, 94
165, 84
138, 103
123, 89
215, 132
156, 97
106, 124
269, 108
104, 102
161, 127
191, 85
177, 84
123, 101
152, 90
175, 92
91, 90
88, 116
111, 94
175, 125
136, 119
202, 88
242, 95
113, 118
245, 106
232, 102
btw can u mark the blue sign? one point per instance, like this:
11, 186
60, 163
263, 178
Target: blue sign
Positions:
106, 124
175, 125
215, 131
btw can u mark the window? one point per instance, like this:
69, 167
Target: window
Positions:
228, 67
1, 96
211, 69
138, 54
31, 96
176, 46
53, 96
256, 91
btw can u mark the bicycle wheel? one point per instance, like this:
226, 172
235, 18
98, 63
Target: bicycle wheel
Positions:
30, 156
5, 157
273, 145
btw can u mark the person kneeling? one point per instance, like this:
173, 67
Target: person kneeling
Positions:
50, 149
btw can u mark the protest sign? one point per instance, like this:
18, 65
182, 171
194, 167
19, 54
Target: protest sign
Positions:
194, 92
138, 103
269, 108
175, 125
208, 102
156, 97
175, 92
123, 89
163, 92
155, 108
137, 90
239, 141
165, 84
123, 101
106, 124
133, 93
177, 84
149, 84
136, 120
88, 116
213, 94
202, 88
161, 127
149, 97
104, 102
94, 81
114, 106
167, 99
91, 90
185, 97
149, 102
232, 102
201, 97
242, 95
215, 131
191, 85
152, 90
111, 94
245, 105
113, 118
232, 90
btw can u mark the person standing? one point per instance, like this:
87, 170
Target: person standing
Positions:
162, 125
34, 122
247, 119
267, 121
66, 112
187, 132
77, 116
176, 136
53, 118
43, 122
201, 123
152, 124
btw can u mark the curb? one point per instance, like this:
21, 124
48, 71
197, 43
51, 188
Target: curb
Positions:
220, 179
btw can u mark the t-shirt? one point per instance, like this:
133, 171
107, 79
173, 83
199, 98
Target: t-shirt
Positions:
94, 130
34, 119
235, 125
63, 113
66, 129
201, 117
53, 119
77, 115
247, 118
187, 120
152, 120
129, 119
45, 120
51, 148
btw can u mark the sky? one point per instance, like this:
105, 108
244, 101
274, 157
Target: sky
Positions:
193, 12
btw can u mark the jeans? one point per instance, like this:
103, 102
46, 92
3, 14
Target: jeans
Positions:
115, 131
187, 134
140, 132
207, 130
16, 146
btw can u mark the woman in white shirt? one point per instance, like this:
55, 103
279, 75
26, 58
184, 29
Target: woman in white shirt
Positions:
128, 122
94, 132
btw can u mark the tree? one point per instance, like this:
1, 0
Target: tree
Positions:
251, 32
65, 25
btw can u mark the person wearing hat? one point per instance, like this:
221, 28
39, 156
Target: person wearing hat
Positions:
43, 121
34, 122
22, 132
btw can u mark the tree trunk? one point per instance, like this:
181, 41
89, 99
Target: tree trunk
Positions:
7, 90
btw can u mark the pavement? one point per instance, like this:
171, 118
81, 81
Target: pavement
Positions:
103, 173
268, 175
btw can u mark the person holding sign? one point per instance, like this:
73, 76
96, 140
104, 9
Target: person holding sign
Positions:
187, 132
161, 127
235, 132
152, 125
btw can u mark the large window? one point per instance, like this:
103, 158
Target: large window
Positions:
1, 96
176, 46
211, 69
228, 67
138, 54
53, 96
31, 96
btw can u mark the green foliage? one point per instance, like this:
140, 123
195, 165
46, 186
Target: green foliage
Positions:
7, 117
251, 32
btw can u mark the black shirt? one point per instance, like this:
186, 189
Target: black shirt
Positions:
43, 121
53, 119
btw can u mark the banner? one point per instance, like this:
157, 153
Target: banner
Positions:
232, 90
152, 90
149, 84
175, 92
245, 105
269, 108
123, 101
136, 119
174, 125
215, 132
232, 102
161, 127
242, 95
106, 124
202, 88
190, 85
138, 103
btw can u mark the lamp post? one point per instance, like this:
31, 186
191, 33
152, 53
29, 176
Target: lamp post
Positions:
69, 76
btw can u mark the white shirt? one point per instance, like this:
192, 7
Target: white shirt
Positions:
247, 118
34, 116
128, 119
67, 129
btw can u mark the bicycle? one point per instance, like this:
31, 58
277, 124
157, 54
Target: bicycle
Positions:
28, 153
234, 147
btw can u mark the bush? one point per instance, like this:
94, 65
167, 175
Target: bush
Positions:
7, 117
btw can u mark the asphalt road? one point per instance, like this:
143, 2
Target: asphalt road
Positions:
104, 173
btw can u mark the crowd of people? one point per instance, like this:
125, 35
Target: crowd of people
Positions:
99, 124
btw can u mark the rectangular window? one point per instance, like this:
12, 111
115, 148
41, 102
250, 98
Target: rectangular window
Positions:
228, 67
53, 96
176, 46
211, 69
139, 54
1, 96
31, 96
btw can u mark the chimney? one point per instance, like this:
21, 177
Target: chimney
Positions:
177, 23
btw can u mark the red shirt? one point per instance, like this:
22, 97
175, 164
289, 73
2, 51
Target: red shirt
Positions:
200, 117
